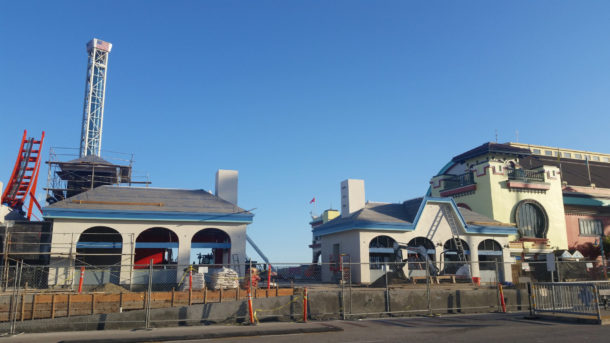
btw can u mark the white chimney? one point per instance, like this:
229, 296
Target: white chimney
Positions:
226, 185
352, 196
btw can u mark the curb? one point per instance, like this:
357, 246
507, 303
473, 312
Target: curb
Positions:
212, 335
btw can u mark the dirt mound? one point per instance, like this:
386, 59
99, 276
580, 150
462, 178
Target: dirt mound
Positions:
394, 278
109, 288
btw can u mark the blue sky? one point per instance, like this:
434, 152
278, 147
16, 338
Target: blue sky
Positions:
299, 95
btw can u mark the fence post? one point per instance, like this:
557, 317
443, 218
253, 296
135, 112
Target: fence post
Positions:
553, 297
149, 293
305, 305
599, 313
342, 287
387, 290
428, 295
268, 278
350, 283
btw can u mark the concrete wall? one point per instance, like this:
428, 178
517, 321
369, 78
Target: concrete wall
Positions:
66, 234
322, 305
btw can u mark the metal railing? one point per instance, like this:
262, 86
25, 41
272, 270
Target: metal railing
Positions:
518, 174
457, 181
573, 298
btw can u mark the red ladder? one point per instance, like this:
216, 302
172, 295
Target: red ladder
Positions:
25, 176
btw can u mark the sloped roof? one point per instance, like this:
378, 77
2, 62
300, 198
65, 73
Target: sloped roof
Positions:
488, 148
147, 199
573, 171
405, 213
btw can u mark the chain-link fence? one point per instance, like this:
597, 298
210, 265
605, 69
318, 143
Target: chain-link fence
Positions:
76, 293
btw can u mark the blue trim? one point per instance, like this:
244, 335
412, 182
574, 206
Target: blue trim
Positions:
210, 245
99, 245
571, 200
62, 213
330, 228
491, 230
155, 245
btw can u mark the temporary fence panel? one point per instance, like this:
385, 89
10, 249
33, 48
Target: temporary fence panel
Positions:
566, 297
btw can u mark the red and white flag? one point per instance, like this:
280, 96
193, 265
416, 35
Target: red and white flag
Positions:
313, 200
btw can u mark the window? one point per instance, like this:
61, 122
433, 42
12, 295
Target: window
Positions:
590, 227
578, 156
537, 151
595, 158
567, 155
605, 159
531, 219
548, 152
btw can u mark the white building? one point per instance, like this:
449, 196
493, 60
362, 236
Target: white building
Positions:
117, 227
365, 232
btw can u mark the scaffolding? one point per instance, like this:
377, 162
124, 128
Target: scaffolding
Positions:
68, 178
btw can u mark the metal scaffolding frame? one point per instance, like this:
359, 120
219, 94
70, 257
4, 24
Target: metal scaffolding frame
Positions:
95, 89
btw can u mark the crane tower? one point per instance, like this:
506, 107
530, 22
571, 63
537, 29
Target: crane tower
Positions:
95, 88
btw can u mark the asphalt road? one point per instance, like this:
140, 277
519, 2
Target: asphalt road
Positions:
488, 328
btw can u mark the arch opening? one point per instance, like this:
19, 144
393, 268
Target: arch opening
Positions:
451, 259
491, 261
211, 246
99, 246
157, 243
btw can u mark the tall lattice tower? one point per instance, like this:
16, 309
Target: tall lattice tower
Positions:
95, 89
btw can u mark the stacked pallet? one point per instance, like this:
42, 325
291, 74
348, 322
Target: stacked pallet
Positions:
222, 278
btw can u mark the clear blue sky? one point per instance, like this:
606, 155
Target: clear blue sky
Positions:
299, 95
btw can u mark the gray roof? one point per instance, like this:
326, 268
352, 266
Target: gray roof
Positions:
471, 217
148, 199
404, 213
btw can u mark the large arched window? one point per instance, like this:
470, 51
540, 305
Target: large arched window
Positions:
381, 251
531, 219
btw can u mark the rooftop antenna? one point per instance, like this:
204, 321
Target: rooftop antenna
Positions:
95, 89
496, 130
517, 135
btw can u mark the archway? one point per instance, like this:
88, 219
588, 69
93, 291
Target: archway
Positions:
99, 250
381, 252
491, 261
451, 258
99, 246
157, 243
211, 246
417, 262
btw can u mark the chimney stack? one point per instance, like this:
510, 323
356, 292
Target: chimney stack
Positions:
352, 196
226, 185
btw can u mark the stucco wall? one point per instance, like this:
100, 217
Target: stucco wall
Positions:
66, 234
493, 198
356, 243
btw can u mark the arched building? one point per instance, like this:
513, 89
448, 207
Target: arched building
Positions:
365, 234
125, 229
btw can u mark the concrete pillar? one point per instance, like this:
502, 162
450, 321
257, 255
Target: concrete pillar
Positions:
506, 267
184, 253
474, 258
127, 258
63, 250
